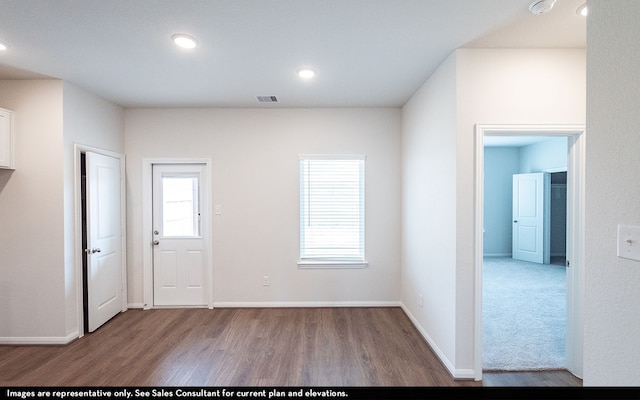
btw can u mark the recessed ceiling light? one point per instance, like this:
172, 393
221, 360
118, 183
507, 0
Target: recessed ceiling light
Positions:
185, 41
306, 73
583, 10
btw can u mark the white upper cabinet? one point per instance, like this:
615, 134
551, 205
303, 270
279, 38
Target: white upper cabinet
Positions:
7, 140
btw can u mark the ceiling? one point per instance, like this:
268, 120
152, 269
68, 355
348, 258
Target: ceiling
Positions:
367, 53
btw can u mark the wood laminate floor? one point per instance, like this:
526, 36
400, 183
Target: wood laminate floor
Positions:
360, 347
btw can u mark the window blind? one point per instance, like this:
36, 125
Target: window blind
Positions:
332, 208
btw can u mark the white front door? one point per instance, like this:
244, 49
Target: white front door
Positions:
104, 239
529, 217
180, 255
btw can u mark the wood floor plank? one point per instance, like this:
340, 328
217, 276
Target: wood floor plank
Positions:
248, 347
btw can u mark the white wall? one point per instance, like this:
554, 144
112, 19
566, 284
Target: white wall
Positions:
539, 157
500, 164
90, 121
612, 284
490, 87
32, 295
255, 179
504, 87
428, 209
38, 302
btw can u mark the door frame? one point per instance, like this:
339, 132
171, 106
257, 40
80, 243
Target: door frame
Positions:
78, 150
576, 135
147, 225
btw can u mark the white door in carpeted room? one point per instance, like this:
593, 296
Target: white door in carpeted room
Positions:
529, 211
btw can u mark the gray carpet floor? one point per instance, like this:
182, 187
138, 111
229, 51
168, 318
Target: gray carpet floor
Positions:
523, 315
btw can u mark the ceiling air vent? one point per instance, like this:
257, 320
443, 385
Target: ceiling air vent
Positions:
541, 6
267, 99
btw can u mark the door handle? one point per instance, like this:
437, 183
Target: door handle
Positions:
515, 221
92, 251
156, 242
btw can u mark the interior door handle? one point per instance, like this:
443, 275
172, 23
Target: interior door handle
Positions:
515, 221
156, 242
92, 251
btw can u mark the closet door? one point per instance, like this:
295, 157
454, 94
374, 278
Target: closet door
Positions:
104, 239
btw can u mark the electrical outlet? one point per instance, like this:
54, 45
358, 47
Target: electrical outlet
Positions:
265, 280
421, 300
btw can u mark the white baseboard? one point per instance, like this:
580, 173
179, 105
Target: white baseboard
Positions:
33, 340
310, 304
497, 254
284, 304
455, 373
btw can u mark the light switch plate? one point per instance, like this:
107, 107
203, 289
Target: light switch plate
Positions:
629, 242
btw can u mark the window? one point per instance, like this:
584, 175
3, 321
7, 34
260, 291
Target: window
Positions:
332, 211
180, 208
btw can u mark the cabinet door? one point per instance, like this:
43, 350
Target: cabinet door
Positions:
6, 139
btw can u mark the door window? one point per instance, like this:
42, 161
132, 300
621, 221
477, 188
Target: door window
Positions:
180, 206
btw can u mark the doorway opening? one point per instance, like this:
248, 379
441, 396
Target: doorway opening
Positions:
574, 230
524, 294
558, 218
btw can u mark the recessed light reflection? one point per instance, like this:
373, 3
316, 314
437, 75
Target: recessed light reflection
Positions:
306, 73
184, 41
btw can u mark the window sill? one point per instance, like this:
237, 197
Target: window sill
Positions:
308, 264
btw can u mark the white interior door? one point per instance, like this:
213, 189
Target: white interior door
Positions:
529, 217
104, 239
179, 235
